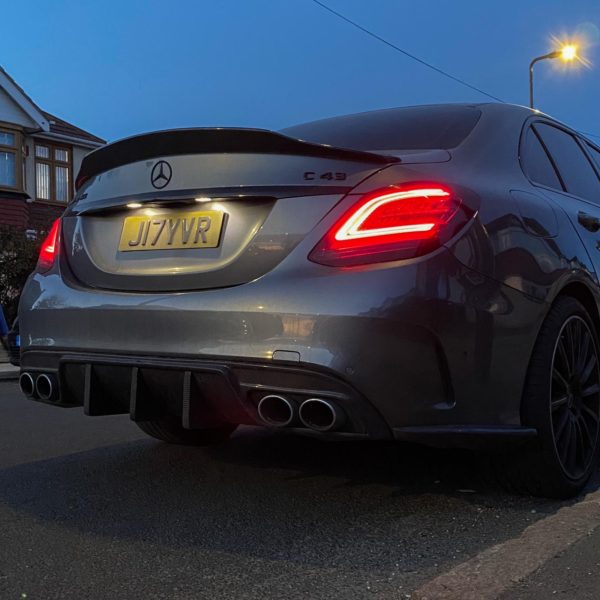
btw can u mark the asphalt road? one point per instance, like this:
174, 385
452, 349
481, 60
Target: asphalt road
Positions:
91, 508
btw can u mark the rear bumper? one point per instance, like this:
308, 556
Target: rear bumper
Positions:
205, 393
428, 344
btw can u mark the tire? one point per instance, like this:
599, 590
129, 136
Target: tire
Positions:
170, 430
562, 401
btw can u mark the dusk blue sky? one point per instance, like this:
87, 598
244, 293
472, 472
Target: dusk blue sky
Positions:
121, 67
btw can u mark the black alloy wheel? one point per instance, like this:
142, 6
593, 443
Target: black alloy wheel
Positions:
561, 400
575, 396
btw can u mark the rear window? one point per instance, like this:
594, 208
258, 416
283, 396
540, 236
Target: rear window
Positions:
416, 128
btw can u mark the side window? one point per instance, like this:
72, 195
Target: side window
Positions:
536, 164
575, 169
595, 154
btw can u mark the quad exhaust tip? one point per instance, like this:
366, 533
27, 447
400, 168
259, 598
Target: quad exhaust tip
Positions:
45, 387
27, 384
277, 411
321, 415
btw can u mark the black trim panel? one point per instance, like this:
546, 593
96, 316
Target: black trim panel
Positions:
466, 436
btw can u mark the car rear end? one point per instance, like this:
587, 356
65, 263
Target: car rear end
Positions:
246, 277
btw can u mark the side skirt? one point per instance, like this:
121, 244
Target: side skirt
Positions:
466, 436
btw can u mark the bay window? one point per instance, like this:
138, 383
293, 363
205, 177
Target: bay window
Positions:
53, 172
10, 170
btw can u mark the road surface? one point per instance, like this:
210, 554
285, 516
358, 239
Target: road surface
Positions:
92, 508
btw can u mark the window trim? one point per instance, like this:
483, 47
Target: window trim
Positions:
530, 122
17, 150
586, 145
53, 163
550, 158
530, 125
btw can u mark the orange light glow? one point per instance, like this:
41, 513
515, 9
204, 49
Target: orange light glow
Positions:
571, 49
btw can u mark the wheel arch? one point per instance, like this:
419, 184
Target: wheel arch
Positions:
583, 293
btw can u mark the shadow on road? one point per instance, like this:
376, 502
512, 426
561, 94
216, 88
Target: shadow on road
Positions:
278, 497
403, 468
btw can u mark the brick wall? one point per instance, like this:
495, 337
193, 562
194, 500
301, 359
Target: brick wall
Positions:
17, 212
13, 212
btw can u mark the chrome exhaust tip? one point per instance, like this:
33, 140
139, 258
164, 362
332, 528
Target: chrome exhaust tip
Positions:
45, 386
27, 384
321, 415
277, 411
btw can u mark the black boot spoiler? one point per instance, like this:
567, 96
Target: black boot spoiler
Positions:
211, 141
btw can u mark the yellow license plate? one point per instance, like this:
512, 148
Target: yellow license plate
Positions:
172, 231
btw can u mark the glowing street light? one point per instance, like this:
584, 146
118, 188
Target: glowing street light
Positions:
567, 53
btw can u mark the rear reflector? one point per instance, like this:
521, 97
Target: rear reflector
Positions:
391, 224
49, 248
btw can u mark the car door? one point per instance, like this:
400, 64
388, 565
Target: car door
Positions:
576, 187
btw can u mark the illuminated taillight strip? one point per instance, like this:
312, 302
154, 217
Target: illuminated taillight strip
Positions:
350, 229
394, 223
49, 248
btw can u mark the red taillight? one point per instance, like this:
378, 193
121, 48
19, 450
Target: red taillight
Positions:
394, 223
49, 248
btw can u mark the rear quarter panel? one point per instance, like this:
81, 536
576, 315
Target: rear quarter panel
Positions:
519, 251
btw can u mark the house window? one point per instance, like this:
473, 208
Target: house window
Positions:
8, 159
52, 173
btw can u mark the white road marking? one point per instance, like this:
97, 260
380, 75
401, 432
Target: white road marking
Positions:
493, 571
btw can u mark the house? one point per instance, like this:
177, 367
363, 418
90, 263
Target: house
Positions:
40, 155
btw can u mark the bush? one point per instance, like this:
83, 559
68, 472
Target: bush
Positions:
18, 255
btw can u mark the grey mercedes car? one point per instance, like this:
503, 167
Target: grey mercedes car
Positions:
426, 274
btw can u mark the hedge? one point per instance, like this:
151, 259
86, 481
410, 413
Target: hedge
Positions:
18, 256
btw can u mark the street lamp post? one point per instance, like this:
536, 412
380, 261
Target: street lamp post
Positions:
550, 55
567, 53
